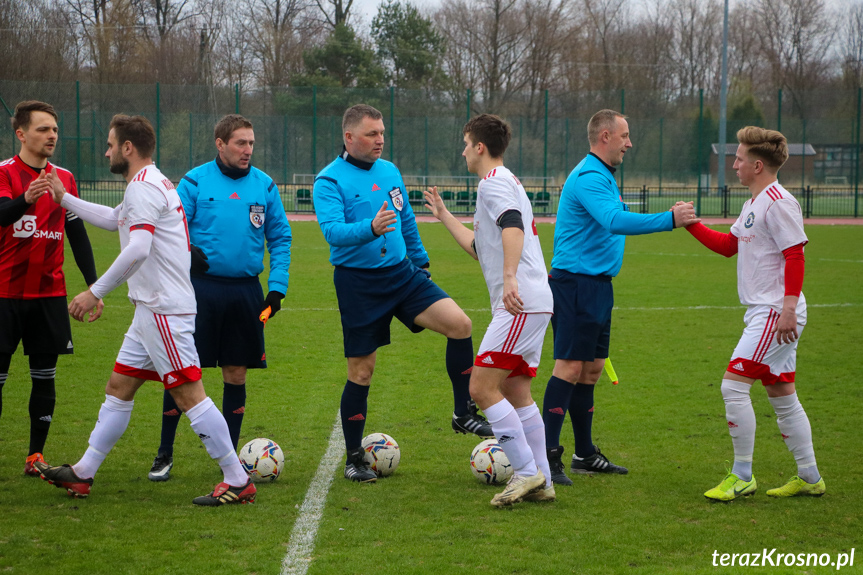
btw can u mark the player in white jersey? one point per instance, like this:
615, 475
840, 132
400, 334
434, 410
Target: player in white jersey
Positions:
768, 239
154, 260
505, 242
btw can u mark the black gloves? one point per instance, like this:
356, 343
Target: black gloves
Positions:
274, 302
199, 261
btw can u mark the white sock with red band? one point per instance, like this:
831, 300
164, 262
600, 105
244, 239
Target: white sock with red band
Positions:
534, 433
114, 416
209, 423
797, 433
741, 425
510, 436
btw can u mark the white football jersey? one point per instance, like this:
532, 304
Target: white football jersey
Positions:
499, 192
162, 283
768, 224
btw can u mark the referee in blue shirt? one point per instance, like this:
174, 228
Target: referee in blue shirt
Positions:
234, 213
380, 262
589, 236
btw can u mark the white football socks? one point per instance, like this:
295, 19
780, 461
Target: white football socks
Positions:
510, 436
741, 425
209, 423
797, 433
114, 416
534, 433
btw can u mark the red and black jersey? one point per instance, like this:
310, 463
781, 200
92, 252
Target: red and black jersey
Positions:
31, 249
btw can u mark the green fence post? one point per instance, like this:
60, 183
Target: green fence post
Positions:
566, 146
520, 140
467, 180
660, 155
237, 98
622, 111
467, 116
158, 125
779, 112
93, 145
191, 135
803, 171
314, 129
427, 146
545, 148
285, 144
698, 166
392, 121
78, 127
857, 154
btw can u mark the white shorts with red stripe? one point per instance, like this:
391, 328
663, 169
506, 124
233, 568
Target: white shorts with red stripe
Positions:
513, 342
758, 355
160, 348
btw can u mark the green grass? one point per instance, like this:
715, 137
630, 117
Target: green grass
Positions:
665, 421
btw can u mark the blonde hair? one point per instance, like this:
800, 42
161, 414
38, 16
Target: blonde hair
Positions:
769, 146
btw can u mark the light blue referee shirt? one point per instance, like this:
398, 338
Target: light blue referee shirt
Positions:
231, 217
348, 194
593, 222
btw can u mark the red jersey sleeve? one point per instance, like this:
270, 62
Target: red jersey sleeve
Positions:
795, 264
723, 244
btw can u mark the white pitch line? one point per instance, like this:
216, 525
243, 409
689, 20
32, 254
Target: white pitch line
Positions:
302, 543
616, 308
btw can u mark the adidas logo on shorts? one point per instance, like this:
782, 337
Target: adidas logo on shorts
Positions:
488, 360
738, 365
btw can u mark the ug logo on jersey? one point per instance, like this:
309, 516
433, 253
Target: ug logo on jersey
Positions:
398, 201
750, 220
256, 215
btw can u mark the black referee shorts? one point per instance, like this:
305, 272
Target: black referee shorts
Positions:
582, 315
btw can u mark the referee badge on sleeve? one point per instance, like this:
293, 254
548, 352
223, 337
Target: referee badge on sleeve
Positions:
256, 215
398, 201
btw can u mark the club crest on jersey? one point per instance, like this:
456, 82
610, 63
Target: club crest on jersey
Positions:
256, 215
398, 201
750, 220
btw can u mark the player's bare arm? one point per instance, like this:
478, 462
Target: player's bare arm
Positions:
462, 235
513, 244
383, 220
786, 326
37, 189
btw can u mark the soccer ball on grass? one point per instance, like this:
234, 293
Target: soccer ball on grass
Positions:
382, 453
489, 463
262, 459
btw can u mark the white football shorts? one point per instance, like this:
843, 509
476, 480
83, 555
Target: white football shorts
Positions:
160, 348
513, 342
758, 355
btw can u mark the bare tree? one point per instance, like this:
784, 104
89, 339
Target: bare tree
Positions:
335, 12
278, 31
851, 45
36, 42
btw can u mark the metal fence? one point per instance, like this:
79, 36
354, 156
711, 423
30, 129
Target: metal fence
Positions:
298, 132
715, 202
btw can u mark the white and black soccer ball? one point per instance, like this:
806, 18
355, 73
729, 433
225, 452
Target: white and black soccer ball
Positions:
489, 463
262, 459
382, 453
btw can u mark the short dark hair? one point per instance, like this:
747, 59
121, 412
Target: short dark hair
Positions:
135, 129
602, 120
769, 146
355, 114
491, 130
21, 117
228, 125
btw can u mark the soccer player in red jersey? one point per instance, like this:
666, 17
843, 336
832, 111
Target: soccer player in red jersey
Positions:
32, 286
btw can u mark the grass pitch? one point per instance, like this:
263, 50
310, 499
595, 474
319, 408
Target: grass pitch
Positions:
676, 322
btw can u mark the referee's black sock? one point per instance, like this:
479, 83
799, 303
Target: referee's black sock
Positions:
459, 363
43, 368
233, 408
354, 407
581, 413
171, 415
555, 403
